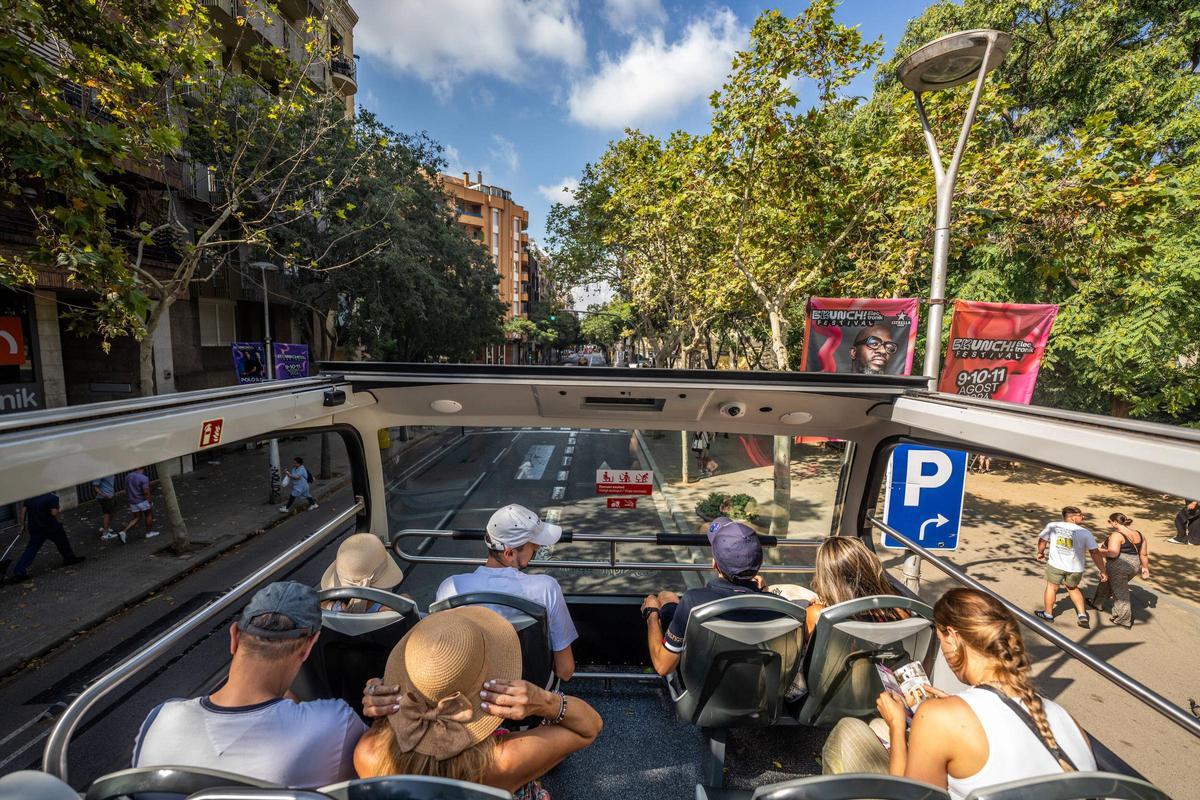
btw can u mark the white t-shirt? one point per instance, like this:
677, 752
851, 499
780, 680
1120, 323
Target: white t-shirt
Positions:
302, 745
1069, 545
541, 589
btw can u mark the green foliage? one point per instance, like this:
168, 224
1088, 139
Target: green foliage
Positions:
736, 506
606, 324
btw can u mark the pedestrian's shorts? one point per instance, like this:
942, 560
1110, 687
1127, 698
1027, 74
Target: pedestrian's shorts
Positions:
1060, 577
108, 505
137, 508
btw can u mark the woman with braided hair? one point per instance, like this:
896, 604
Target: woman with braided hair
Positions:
998, 730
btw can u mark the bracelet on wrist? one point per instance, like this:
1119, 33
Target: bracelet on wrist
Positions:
646, 612
562, 710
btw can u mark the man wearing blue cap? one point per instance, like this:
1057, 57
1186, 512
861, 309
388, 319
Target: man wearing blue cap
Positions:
253, 725
737, 556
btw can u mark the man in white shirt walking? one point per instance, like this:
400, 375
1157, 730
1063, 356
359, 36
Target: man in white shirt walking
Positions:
252, 725
514, 534
1062, 546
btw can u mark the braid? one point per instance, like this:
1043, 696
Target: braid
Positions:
987, 627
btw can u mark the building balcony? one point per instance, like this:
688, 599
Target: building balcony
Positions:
473, 220
344, 72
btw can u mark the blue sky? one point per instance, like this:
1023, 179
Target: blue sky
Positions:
528, 91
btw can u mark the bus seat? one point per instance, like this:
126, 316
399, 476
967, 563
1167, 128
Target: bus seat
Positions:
851, 786
28, 784
167, 782
233, 793
839, 663
353, 647
533, 631
740, 656
1072, 786
412, 787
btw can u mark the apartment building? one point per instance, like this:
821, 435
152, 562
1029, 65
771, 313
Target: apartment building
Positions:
46, 363
489, 215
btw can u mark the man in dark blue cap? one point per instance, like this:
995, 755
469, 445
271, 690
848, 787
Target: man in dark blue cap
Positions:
737, 556
253, 725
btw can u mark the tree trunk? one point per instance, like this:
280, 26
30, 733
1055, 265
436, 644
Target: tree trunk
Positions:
685, 455
181, 541
1118, 407
778, 336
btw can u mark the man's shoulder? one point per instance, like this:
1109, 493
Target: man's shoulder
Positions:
327, 708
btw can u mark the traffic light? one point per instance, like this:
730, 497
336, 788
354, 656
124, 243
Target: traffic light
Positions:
553, 317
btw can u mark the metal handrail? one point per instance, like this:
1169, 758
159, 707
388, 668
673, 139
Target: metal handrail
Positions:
54, 758
1151, 698
611, 540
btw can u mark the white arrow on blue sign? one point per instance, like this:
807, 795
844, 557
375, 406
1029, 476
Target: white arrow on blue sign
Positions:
924, 500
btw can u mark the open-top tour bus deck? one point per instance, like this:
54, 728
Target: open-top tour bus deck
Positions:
538, 436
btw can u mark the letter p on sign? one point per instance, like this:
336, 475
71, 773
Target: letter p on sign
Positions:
919, 476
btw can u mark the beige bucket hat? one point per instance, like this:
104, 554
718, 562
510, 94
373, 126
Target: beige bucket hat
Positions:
440, 666
362, 560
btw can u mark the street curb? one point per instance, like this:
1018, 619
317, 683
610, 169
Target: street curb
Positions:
8, 666
692, 580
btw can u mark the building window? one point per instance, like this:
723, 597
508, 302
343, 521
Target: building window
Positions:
217, 326
496, 222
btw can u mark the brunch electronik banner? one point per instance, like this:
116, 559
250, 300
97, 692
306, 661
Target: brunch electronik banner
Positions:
996, 349
864, 336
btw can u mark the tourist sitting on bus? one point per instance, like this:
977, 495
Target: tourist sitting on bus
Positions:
845, 569
998, 730
446, 688
252, 726
361, 560
736, 556
514, 534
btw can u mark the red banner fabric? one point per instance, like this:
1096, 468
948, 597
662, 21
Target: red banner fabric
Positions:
996, 349
859, 335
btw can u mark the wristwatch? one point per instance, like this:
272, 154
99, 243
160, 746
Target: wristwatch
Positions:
647, 611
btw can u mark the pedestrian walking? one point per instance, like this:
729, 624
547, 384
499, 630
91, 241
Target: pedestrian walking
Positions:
1127, 554
699, 448
1062, 545
137, 494
299, 477
40, 516
106, 496
1187, 524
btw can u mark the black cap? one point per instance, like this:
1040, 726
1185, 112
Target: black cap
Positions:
289, 599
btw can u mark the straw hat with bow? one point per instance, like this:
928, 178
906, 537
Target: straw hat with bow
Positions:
362, 560
440, 666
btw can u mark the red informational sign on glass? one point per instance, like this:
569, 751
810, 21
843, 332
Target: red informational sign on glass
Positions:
12, 342
859, 335
624, 481
622, 502
996, 349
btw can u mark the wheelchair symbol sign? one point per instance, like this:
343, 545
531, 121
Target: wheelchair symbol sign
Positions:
925, 495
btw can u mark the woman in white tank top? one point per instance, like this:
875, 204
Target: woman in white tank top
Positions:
999, 730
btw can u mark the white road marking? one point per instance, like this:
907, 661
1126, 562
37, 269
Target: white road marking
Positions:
558, 493
570, 449
553, 515
562, 475
566, 462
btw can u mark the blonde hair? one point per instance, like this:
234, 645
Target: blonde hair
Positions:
470, 765
846, 569
987, 627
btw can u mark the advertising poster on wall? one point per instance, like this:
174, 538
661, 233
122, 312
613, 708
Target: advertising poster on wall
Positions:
250, 362
857, 335
291, 360
996, 349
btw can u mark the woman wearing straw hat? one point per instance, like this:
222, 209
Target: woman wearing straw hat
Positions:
447, 686
361, 560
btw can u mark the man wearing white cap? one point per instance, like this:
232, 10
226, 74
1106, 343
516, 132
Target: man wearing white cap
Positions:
514, 534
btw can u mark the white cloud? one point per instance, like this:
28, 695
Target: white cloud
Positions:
653, 79
445, 41
624, 15
505, 152
454, 162
561, 192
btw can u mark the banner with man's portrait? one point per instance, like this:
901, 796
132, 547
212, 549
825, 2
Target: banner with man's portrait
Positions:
250, 362
996, 349
858, 335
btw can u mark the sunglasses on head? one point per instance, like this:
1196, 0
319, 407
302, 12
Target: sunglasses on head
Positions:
874, 342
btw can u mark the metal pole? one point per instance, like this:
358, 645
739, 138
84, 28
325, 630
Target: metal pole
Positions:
941, 252
273, 445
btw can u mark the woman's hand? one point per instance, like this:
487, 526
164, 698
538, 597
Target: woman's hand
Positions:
891, 708
379, 700
1145, 573
518, 699
1104, 577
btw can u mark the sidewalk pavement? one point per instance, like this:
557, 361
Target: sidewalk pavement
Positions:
223, 502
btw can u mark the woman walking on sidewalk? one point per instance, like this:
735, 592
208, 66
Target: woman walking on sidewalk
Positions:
300, 477
1127, 553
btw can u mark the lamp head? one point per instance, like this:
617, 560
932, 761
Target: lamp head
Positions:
952, 60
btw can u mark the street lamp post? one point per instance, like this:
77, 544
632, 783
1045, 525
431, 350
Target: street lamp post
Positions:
273, 445
944, 63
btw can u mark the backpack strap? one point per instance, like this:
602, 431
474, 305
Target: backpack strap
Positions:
1022, 714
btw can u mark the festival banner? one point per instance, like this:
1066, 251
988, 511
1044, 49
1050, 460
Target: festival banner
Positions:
864, 336
996, 349
291, 360
250, 362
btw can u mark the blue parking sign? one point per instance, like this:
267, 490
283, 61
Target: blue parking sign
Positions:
924, 500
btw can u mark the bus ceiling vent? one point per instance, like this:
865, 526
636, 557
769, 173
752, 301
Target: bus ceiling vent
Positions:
334, 397
796, 418
446, 406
